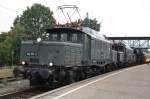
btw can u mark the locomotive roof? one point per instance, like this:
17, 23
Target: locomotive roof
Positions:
94, 34
87, 30
64, 29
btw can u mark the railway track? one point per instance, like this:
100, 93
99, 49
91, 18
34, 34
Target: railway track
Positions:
26, 94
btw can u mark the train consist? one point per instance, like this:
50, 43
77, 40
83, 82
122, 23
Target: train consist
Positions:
67, 55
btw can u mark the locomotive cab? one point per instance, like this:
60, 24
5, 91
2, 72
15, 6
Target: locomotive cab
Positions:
60, 47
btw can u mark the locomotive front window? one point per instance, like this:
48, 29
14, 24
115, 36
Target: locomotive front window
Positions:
28, 54
63, 37
53, 37
74, 37
31, 54
66, 37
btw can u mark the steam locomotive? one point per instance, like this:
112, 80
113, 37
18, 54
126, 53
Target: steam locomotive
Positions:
67, 55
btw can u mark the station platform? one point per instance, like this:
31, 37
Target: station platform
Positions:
128, 83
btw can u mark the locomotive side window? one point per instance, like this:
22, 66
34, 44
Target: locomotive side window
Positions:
79, 37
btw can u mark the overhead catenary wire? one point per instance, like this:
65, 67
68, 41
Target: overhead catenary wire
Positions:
6, 8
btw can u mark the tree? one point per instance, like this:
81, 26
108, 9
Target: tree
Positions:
3, 36
8, 43
18, 29
33, 21
5, 50
92, 23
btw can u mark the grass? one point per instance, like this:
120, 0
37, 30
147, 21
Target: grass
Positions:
6, 73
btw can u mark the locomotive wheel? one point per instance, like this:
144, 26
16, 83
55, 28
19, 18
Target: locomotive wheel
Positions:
52, 82
103, 69
98, 71
116, 66
113, 67
82, 75
71, 76
77, 75
89, 72
108, 68
33, 81
62, 77
18, 72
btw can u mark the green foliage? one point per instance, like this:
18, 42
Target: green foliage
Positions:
91, 23
2, 37
17, 28
9, 43
5, 50
33, 21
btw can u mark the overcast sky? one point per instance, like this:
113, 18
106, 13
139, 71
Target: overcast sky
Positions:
118, 17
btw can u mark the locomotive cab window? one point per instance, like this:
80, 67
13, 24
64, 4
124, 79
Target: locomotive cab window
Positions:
54, 37
66, 37
63, 37
72, 37
75, 37
58, 37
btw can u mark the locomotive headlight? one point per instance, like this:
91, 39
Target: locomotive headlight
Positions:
23, 62
50, 64
39, 39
